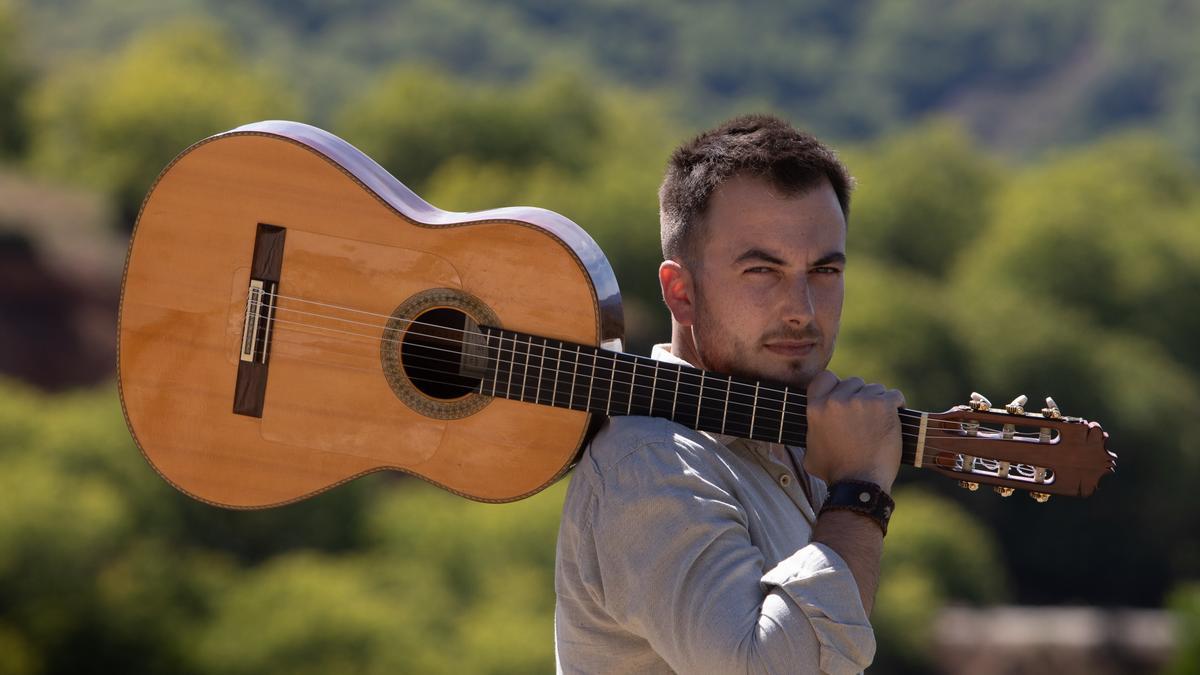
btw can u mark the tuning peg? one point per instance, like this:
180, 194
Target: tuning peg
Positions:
1051, 410
1040, 497
968, 485
1017, 407
979, 402
1004, 491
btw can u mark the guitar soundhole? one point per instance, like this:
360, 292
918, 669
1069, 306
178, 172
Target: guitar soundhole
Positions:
432, 353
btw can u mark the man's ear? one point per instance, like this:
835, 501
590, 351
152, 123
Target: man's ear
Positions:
678, 291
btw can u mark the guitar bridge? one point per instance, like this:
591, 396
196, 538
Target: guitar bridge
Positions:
260, 312
250, 390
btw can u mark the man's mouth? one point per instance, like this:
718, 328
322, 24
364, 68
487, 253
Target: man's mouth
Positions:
794, 348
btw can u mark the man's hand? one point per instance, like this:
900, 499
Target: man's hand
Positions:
853, 431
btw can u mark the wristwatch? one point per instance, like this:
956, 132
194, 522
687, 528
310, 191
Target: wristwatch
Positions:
863, 498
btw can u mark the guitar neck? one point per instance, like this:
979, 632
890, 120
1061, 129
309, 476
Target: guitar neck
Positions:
561, 374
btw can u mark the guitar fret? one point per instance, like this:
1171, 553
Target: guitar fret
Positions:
699, 398
557, 368
653, 388
537, 390
574, 373
525, 370
512, 365
675, 397
591, 383
495, 365
782, 414
632, 384
753, 411
612, 378
725, 413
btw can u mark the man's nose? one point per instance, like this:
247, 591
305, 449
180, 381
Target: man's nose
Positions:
798, 306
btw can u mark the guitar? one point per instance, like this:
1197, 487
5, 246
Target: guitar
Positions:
293, 317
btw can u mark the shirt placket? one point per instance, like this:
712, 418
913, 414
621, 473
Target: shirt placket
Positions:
783, 475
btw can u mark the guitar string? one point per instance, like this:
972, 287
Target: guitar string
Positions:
931, 433
538, 388
800, 395
907, 455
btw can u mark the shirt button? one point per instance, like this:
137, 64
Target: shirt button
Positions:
785, 480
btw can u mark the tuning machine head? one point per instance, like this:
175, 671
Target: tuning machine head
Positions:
1051, 410
1017, 407
1004, 491
979, 402
1040, 497
968, 485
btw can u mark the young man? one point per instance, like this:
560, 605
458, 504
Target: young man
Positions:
693, 552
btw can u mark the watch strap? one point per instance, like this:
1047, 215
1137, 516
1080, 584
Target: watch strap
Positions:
861, 497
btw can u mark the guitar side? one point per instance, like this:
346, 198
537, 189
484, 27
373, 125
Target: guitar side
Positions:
358, 247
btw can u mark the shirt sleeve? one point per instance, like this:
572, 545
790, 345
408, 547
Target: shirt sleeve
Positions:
677, 567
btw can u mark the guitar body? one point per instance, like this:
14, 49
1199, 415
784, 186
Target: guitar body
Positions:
351, 252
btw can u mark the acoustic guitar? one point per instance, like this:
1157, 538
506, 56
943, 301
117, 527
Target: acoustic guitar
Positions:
293, 317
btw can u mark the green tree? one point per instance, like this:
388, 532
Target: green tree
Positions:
14, 81
936, 553
115, 124
921, 196
1185, 608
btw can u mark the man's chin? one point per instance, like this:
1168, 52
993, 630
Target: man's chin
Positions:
795, 373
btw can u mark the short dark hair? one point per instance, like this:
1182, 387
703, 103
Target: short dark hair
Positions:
757, 145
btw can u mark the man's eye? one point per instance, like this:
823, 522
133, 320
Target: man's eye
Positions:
758, 270
827, 270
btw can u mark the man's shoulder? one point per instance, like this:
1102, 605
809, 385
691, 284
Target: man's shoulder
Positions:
647, 443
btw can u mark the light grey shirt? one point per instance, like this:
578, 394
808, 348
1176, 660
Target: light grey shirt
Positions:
690, 552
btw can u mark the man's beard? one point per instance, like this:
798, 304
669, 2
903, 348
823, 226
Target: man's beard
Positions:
798, 374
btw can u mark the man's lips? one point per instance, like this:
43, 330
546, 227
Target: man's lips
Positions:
791, 348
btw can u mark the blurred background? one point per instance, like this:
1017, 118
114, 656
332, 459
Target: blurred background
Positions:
1027, 221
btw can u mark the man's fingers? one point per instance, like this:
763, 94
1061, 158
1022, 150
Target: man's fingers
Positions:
822, 384
874, 389
847, 388
897, 396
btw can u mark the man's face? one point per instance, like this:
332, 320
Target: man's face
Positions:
768, 286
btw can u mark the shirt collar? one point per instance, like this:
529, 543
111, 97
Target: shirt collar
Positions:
662, 352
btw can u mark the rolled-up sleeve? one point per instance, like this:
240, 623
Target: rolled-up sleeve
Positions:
676, 565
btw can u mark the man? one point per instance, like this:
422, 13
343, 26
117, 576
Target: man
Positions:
692, 552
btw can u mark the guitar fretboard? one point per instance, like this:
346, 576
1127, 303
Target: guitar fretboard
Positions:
561, 374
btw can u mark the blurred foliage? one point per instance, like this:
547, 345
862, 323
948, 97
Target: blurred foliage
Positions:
1075, 274
1023, 73
115, 123
1185, 606
14, 80
936, 554
103, 570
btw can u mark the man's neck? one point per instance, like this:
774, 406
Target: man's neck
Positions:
683, 346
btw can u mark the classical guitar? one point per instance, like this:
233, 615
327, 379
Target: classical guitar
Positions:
293, 317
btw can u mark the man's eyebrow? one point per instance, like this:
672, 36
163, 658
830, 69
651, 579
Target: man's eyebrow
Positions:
830, 259
759, 254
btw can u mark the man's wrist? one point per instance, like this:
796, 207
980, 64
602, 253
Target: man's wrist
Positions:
864, 498
883, 480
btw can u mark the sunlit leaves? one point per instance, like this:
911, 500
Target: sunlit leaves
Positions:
115, 123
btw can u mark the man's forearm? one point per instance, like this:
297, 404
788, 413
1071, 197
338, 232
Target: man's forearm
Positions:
859, 542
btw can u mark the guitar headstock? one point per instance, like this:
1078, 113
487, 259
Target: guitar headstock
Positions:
1013, 449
